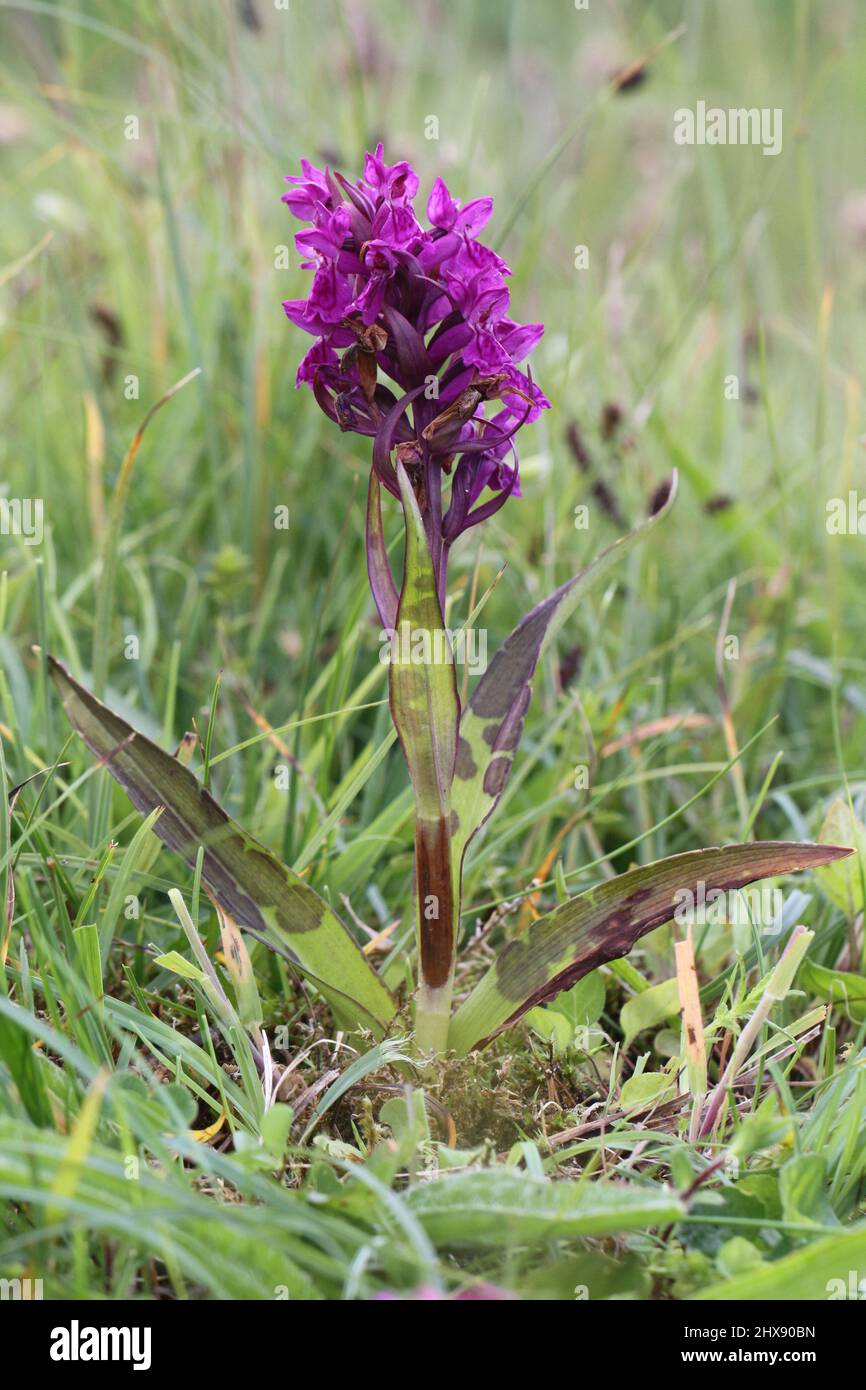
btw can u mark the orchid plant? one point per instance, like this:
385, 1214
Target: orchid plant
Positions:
414, 348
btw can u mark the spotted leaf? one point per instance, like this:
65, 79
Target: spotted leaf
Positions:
262, 894
492, 723
604, 923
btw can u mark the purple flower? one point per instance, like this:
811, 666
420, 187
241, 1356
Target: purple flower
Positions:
380, 262
321, 354
414, 343
444, 212
397, 183
311, 190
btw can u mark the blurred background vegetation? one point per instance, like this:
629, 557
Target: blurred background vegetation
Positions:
143, 149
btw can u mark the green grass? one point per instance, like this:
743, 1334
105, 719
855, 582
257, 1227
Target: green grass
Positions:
127, 263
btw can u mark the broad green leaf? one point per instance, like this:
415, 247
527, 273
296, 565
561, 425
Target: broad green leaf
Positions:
275, 1126
406, 1116
583, 1004
492, 723
737, 1256
843, 883
552, 1028
604, 923
804, 1192
260, 893
426, 711
570, 1014
821, 1270
648, 1009
840, 987
503, 1207
588, 1276
648, 1089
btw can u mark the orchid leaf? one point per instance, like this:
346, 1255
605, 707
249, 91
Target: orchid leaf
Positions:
259, 892
492, 723
426, 711
604, 923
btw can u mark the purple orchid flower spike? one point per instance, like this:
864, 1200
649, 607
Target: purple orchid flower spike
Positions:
414, 347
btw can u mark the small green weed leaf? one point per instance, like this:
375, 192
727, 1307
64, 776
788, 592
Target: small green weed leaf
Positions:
760, 1130
737, 1256
570, 1014
649, 1089
649, 1009
552, 1027
843, 882
803, 1189
275, 1126
840, 987
179, 965
583, 1004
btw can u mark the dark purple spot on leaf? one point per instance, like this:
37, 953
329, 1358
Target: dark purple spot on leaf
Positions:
494, 777
464, 767
506, 735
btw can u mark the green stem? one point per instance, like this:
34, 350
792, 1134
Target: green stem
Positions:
432, 1016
